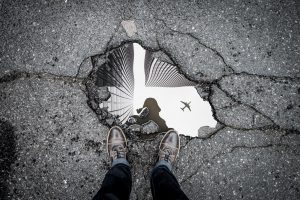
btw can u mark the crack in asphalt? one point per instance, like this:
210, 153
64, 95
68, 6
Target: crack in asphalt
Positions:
228, 151
242, 103
274, 126
269, 77
219, 54
217, 81
18, 75
230, 69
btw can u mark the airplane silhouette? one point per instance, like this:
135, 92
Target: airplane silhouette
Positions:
186, 105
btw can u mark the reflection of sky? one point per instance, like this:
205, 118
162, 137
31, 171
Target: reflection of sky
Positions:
168, 99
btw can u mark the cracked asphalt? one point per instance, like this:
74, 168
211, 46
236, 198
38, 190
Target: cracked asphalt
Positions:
244, 55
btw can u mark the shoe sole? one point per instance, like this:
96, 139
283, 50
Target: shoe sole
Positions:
164, 138
108, 135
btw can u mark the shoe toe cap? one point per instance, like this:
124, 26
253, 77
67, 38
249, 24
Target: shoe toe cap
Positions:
172, 139
116, 134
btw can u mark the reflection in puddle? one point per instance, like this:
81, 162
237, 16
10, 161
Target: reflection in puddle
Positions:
117, 74
155, 96
150, 111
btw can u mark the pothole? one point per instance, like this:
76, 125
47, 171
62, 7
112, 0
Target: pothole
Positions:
148, 94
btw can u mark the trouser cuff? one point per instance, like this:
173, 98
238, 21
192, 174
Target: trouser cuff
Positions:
164, 163
120, 161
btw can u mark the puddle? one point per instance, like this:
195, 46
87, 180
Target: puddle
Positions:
137, 80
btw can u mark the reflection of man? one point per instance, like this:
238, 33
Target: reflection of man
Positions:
117, 182
153, 115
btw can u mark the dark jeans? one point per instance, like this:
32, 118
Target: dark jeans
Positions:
117, 184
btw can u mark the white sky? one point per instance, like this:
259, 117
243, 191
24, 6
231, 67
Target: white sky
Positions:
168, 99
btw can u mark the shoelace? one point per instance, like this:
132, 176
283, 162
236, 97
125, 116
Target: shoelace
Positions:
167, 153
118, 151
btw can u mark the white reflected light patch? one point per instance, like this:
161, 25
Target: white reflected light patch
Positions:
185, 122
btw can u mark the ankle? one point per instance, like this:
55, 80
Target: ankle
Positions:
164, 163
120, 161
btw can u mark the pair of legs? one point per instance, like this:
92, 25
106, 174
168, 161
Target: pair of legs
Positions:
118, 181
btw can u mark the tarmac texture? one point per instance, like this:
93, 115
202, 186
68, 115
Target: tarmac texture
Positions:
244, 56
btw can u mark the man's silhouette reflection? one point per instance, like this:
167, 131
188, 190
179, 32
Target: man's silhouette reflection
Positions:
153, 115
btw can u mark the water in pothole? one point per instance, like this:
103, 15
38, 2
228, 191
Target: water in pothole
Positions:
144, 89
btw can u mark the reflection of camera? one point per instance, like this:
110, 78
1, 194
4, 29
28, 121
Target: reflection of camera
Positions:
131, 120
143, 112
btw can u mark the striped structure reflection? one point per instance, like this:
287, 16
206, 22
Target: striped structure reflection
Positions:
117, 74
162, 74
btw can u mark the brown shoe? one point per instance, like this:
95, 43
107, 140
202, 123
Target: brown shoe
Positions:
116, 143
169, 147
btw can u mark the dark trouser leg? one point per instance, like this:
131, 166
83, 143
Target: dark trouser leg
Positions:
116, 184
164, 185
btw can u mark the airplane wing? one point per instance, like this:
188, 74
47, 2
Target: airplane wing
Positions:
182, 102
189, 108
